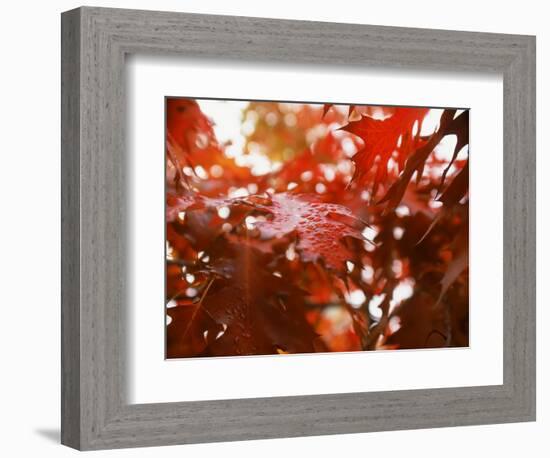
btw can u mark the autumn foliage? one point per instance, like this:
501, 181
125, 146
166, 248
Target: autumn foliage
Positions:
333, 228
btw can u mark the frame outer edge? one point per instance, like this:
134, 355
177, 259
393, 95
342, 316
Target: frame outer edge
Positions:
532, 254
529, 192
92, 390
70, 228
520, 232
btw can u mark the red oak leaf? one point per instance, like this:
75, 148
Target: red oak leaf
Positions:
191, 142
381, 137
321, 229
189, 201
449, 125
244, 309
326, 107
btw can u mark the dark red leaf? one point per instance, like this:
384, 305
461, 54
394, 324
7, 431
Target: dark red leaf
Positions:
320, 228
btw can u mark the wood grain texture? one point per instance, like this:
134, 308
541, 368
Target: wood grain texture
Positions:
70, 229
95, 412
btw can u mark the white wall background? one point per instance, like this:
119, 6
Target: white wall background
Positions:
30, 228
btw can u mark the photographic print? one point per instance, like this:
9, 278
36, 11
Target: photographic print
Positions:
296, 227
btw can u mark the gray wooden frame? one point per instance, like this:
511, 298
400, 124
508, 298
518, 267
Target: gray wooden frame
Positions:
95, 414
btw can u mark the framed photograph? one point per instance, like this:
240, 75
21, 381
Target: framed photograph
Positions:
279, 228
